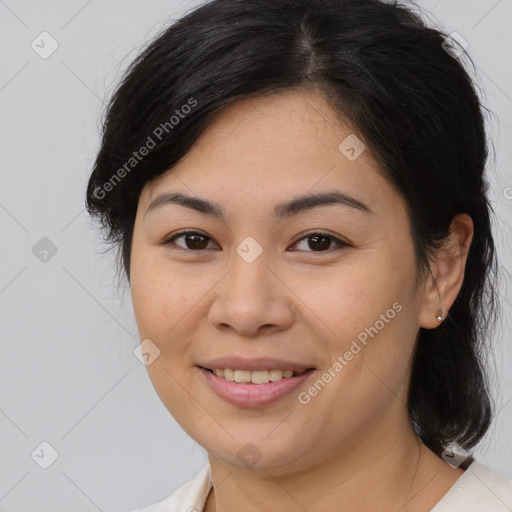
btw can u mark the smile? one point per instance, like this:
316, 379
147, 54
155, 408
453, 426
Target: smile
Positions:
253, 389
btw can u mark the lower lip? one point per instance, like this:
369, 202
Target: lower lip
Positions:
253, 395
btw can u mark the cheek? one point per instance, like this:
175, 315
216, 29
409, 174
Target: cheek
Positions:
163, 300
380, 351
161, 295
170, 306
347, 299
367, 313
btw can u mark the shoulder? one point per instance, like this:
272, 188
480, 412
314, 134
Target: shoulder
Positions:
190, 496
479, 489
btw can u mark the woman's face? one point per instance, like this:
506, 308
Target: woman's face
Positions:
254, 285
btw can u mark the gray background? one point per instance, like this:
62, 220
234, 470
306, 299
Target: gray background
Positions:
68, 375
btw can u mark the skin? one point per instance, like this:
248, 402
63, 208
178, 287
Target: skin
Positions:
352, 446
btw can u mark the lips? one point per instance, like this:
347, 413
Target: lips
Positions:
247, 383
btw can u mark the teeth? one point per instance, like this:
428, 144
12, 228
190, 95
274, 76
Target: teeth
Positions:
256, 377
242, 376
260, 377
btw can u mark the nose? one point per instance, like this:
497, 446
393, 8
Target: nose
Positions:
252, 300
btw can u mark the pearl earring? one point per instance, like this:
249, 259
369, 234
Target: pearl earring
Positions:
440, 315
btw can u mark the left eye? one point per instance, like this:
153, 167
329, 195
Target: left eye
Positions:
197, 242
319, 242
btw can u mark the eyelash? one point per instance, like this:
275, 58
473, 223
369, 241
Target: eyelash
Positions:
170, 241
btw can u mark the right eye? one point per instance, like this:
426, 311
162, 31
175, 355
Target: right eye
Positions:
193, 241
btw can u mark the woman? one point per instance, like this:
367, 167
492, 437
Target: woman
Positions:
296, 191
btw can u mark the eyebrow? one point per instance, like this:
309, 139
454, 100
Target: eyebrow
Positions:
296, 205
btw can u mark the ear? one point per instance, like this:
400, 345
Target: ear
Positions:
446, 272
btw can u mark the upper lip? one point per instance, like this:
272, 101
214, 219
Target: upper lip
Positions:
261, 363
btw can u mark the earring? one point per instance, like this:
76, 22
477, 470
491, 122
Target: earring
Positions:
440, 315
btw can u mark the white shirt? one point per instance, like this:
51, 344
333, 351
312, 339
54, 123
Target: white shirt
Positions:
479, 489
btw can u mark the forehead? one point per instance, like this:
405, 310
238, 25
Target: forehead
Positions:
265, 148
288, 125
